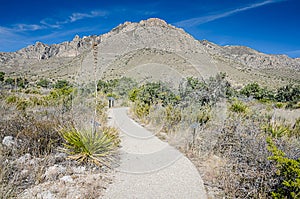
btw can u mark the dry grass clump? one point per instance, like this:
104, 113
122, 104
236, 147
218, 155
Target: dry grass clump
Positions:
33, 136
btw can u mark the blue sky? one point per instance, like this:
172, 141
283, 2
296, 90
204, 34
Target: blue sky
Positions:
270, 26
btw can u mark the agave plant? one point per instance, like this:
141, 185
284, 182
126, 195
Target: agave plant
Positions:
89, 146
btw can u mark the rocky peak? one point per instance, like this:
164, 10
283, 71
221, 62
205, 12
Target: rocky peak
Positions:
153, 22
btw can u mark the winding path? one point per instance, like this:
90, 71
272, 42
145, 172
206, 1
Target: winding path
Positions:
150, 168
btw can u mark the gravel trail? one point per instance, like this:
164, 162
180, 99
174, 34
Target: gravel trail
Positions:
150, 168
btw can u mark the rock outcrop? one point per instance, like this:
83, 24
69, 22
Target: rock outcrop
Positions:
251, 58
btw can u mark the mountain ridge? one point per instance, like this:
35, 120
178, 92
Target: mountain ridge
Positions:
75, 57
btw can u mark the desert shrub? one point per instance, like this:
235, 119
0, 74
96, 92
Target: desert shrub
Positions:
11, 99
238, 107
295, 130
9, 81
171, 118
88, 146
36, 137
194, 90
2, 75
133, 94
279, 105
247, 173
124, 85
153, 93
288, 173
203, 115
256, 91
288, 93
22, 104
62, 84
277, 129
141, 109
45, 83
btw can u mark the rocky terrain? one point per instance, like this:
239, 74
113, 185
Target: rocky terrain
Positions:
148, 50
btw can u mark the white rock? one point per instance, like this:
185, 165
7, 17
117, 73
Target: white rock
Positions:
78, 170
53, 172
68, 179
46, 195
24, 158
8, 141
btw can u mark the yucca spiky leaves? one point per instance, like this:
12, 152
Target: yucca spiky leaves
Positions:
87, 146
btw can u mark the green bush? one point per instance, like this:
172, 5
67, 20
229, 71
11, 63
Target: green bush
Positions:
2, 74
10, 81
61, 84
11, 99
254, 89
288, 93
288, 172
45, 83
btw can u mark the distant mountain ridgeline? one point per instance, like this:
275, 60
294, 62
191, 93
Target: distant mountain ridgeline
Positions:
149, 50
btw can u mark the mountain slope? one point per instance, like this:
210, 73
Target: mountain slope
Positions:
148, 50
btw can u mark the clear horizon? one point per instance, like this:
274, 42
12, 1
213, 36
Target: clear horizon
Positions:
269, 26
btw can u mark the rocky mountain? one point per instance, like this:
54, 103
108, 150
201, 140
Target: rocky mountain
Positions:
251, 58
148, 50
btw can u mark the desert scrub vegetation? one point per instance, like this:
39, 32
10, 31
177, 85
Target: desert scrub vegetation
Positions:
32, 138
213, 120
288, 172
287, 96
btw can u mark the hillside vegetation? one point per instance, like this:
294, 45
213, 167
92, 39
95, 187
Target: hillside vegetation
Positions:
238, 142
46, 148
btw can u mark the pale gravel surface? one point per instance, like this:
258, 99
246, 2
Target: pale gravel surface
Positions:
150, 168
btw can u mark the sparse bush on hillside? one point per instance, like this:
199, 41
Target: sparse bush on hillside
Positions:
154, 93
60, 84
9, 81
288, 93
195, 91
171, 118
2, 75
45, 83
277, 130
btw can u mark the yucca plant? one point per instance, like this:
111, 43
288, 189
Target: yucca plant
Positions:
88, 146
277, 130
239, 107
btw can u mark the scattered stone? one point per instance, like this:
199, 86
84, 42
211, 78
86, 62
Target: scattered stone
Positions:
60, 157
46, 195
8, 141
68, 179
23, 159
54, 172
78, 170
